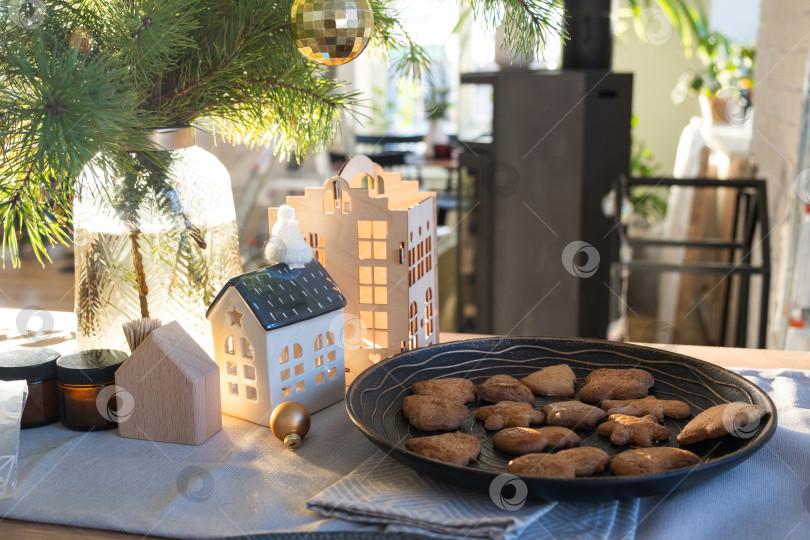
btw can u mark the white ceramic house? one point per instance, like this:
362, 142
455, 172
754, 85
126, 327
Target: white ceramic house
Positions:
276, 338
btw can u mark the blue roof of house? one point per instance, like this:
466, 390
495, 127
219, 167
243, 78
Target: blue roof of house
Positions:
280, 296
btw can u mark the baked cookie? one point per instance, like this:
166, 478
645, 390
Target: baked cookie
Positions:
659, 408
552, 381
504, 388
573, 414
455, 388
652, 460
585, 461
739, 419
615, 384
518, 440
433, 413
457, 448
641, 431
509, 414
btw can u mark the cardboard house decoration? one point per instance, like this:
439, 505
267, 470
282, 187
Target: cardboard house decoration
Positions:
376, 235
175, 388
276, 338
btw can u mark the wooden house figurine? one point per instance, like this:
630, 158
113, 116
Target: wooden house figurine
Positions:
376, 235
175, 388
277, 337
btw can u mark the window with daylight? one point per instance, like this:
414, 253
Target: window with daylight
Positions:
251, 394
230, 368
229, 348
233, 389
376, 323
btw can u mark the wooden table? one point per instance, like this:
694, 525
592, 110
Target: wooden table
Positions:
726, 357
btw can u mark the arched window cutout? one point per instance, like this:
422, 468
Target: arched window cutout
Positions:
298, 352
284, 357
328, 202
428, 313
330, 339
247, 348
319, 342
229, 349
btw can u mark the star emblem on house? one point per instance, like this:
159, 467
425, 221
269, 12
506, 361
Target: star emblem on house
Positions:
236, 317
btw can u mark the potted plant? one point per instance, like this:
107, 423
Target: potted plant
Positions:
437, 105
723, 82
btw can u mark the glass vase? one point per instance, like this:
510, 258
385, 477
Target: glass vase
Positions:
159, 241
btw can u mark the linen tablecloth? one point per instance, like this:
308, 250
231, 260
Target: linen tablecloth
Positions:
243, 481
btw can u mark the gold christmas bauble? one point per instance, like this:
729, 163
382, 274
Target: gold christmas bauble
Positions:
331, 32
290, 423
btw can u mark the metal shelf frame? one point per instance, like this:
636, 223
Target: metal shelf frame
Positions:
750, 216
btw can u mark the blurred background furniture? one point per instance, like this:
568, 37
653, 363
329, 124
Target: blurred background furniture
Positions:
729, 260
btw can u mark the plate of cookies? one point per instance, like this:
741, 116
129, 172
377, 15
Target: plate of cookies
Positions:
575, 419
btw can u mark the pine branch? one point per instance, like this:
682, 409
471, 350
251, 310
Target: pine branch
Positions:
99, 74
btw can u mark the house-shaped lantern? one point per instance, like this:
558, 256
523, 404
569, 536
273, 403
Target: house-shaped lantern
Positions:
376, 235
276, 338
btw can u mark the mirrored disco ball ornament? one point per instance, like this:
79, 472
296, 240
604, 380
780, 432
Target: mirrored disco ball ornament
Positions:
331, 32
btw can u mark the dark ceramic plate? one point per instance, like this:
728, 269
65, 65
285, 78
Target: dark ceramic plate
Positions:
374, 402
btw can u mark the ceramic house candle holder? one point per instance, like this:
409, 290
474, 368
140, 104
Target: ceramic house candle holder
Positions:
376, 236
276, 338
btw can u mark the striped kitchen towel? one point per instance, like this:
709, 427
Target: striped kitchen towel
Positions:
385, 492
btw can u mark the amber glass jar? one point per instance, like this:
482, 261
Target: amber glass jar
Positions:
82, 376
38, 367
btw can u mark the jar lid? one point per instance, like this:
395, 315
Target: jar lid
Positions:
28, 363
89, 367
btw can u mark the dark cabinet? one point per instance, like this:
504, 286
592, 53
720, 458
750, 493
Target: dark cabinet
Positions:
533, 189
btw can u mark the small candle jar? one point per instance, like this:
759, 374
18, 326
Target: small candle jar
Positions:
82, 376
37, 367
